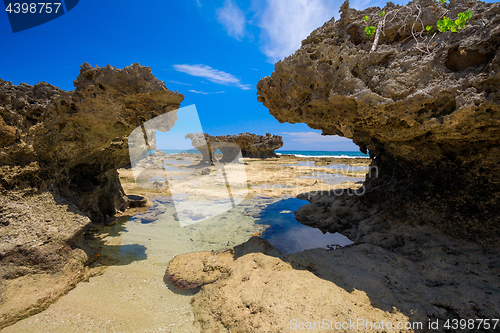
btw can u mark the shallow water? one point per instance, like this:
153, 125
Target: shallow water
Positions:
337, 166
273, 186
232, 227
332, 179
132, 295
288, 235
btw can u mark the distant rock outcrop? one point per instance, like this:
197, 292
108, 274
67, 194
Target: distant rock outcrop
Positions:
428, 111
59, 151
251, 145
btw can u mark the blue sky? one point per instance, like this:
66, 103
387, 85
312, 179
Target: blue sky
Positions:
213, 52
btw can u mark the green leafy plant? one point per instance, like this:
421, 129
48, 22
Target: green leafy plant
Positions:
462, 18
423, 35
446, 23
370, 31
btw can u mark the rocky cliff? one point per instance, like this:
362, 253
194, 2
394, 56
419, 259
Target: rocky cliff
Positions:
425, 105
59, 151
72, 142
251, 145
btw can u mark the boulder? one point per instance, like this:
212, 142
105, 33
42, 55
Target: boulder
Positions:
431, 278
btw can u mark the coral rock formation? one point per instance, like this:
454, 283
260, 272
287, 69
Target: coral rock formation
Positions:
251, 145
193, 270
430, 118
72, 142
59, 151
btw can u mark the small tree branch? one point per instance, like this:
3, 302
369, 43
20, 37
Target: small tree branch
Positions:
377, 36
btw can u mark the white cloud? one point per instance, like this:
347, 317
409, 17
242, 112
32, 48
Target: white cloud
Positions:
185, 84
233, 19
285, 23
313, 137
205, 93
212, 75
198, 3
198, 92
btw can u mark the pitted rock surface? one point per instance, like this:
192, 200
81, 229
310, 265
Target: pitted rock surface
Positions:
250, 145
430, 118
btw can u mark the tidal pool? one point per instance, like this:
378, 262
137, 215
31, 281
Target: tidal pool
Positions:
289, 235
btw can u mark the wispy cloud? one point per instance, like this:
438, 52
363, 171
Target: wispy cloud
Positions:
232, 18
185, 84
198, 3
198, 92
285, 23
205, 93
312, 137
362, 4
212, 75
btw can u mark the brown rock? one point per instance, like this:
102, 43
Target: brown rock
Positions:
59, 152
136, 201
430, 120
73, 142
192, 270
251, 145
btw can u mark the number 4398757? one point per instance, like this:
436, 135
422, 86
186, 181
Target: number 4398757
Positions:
33, 8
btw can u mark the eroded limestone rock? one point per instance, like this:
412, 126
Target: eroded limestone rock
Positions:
430, 120
251, 145
430, 277
72, 142
59, 151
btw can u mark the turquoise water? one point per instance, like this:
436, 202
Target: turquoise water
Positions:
314, 153
289, 235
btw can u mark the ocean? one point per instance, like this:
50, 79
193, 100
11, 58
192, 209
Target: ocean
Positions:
298, 153
314, 153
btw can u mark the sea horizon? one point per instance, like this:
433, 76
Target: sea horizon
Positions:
297, 153
323, 153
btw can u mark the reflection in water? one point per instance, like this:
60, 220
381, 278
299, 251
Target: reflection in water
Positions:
288, 235
234, 226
